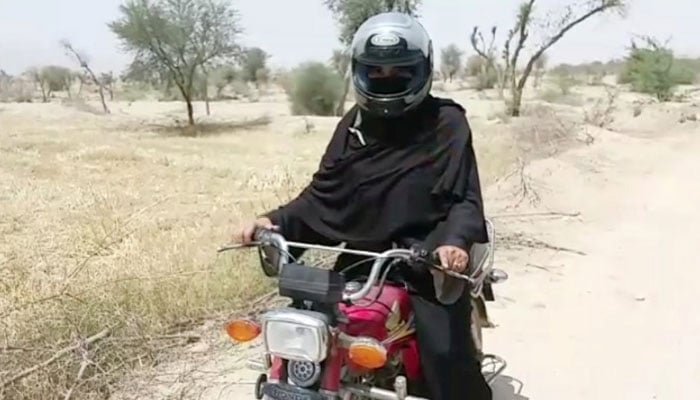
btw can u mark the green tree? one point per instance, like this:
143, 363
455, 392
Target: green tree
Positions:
650, 69
222, 77
451, 60
315, 89
253, 60
180, 37
340, 61
51, 78
350, 14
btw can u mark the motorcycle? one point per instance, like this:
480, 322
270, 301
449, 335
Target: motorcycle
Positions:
351, 340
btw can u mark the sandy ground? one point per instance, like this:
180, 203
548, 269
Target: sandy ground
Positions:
611, 319
617, 323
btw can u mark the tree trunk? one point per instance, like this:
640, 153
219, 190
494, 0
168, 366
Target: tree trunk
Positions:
517, 95
205, 90
516, 102
206, 95
187, 96
503, 81
102, 99
518, 89
190, 111
44, 98
99, 87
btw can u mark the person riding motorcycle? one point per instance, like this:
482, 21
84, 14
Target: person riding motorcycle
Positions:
400, 169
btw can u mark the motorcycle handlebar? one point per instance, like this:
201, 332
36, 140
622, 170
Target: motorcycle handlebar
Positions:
265, 237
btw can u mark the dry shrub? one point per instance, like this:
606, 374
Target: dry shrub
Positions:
133, 92
687, 116
565, 82
637, 109
540, 132
240, 89
15, 91
544, 132
555, 96
82, 105
602, 112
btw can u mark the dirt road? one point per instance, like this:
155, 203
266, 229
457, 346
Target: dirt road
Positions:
618, 322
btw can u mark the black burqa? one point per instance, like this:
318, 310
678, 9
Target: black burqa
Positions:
404, 180
396, 180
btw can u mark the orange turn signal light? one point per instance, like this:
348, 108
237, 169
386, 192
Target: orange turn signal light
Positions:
367, 353
243, 330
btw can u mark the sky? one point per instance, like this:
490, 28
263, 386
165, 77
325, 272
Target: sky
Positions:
294, 31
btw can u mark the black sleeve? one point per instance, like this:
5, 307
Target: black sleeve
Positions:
465, 223
280, 215
289, 215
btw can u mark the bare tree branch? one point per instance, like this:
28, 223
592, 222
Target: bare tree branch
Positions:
82, 61
565, 23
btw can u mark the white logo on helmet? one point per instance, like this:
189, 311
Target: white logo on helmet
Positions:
385, 39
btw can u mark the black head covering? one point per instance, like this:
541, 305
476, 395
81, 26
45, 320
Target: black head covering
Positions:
390, 179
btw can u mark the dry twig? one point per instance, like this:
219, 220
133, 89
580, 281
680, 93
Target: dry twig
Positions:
538, 214
59, 354
519, 239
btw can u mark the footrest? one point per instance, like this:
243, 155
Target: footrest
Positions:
492, 366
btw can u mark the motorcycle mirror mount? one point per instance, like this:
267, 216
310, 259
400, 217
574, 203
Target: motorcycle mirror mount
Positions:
497, 276
270, 260
273, 252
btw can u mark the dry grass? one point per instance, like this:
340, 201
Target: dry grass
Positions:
112, 222
100, 228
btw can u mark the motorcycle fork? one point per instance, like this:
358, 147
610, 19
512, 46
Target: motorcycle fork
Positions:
332, 368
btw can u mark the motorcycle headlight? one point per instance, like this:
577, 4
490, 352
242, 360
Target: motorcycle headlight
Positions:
296, 334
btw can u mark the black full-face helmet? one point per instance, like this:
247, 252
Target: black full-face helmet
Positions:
392, 64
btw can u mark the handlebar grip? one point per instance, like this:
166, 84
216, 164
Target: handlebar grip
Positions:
262, 235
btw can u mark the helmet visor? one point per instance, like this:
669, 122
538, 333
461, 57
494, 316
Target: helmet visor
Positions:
385, 80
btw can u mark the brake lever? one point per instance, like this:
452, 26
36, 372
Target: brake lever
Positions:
237, 246
263, 238
450, 273
426, 257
